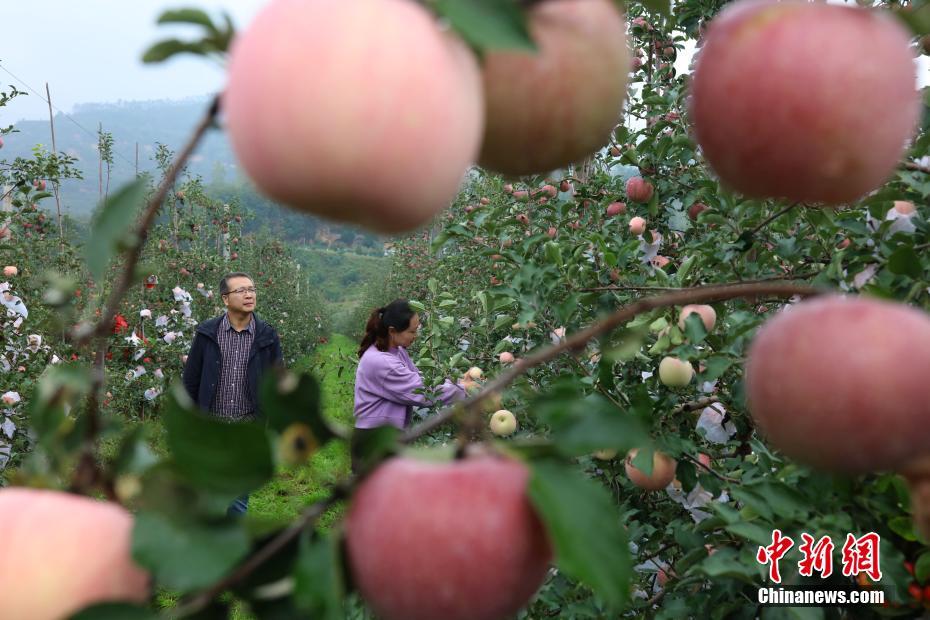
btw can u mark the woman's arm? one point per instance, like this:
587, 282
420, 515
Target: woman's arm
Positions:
401, 385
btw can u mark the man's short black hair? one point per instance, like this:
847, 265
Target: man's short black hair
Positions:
224, 281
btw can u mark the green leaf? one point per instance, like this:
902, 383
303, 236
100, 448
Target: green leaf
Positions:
319, 587
694, 328
582, 426
488, 24
752, 532
186, 555
114, 611
163, 50
288, 398
715, 366
725, 563
216, 455
111, 225
60, 387
188, 16
903, 527
596, 554
922, 567
905, 261
373, 445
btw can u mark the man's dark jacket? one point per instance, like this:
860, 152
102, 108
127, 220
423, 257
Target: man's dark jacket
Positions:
202, 370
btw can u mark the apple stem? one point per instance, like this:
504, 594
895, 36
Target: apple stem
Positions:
701, 294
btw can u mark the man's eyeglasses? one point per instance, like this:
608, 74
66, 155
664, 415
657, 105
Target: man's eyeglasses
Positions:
243, 290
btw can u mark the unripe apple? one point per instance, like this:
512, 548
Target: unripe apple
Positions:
605, 455
307, 142
578, 80
10, 270
707, 313
696, 209
766, 137
674, 372
637, 226
663, 471
843, 368
639, 189
503, 423
616, 208
506, 357
465, 542
64, 552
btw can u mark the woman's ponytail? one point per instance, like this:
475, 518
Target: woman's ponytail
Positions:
396, 314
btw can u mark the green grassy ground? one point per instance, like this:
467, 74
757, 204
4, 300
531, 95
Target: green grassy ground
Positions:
291, 490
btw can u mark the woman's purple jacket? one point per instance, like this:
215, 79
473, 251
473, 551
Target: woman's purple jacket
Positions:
385, 389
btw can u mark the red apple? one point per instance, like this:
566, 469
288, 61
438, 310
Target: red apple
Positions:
465, 542
506, 357
777, 117
64, 552
696, 209
307, 142
565, 186
552, 232
638, 189
577, 78
663, 471
637, 226
707, 313
616, 208
851, 368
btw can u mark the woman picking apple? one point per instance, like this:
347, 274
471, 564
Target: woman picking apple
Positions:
387, 382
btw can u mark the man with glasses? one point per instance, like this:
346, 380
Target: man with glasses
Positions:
228, 356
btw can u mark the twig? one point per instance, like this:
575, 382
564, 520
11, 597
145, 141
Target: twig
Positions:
307, 518
772, 218
694, 405
578, 341
623, 287
711, 471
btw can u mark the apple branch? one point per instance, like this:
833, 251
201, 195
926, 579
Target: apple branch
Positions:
578, 341
88, 474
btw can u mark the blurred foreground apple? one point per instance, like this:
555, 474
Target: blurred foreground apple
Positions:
549, 108
457, 540
64, 552
365, 135
812, 102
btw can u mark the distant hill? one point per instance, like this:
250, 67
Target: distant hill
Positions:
170, 123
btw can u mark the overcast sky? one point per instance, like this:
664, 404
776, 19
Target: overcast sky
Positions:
89, 51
